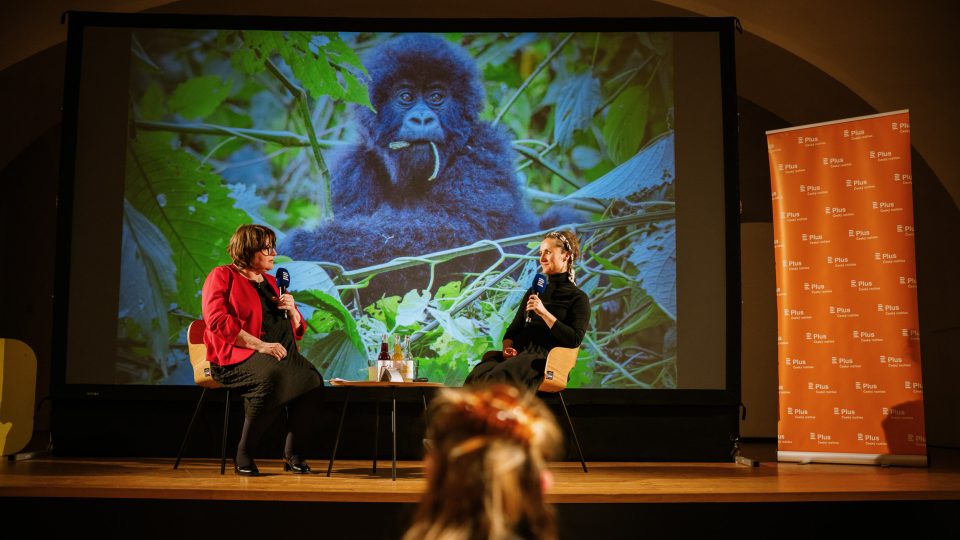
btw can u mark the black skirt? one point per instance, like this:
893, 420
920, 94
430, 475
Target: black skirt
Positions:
265, 382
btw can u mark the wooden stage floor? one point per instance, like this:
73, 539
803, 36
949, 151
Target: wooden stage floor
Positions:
352, 482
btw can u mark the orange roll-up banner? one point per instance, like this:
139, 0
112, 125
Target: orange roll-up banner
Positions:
848, 340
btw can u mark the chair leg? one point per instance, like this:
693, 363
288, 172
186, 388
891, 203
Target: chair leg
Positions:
573, 432
223, 443
193, 421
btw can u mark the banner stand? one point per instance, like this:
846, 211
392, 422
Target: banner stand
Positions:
850, 385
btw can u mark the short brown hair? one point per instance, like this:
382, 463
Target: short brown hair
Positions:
247, 240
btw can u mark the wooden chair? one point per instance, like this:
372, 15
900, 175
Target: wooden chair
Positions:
204, 378
556, 374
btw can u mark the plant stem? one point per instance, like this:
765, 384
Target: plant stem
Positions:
529, 80
326, 204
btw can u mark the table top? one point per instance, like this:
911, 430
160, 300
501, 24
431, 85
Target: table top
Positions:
384, 384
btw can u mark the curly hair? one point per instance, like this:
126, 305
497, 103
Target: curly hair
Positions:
489, 449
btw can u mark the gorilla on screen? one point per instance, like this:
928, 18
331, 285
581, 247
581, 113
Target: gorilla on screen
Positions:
426, 174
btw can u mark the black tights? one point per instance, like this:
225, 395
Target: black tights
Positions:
301, 424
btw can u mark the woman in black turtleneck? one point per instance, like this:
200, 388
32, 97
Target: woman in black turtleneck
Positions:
559, 318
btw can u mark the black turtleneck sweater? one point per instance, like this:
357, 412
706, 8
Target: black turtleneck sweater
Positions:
567, 303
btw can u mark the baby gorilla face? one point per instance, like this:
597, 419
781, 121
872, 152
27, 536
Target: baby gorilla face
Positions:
418, 119
420, 111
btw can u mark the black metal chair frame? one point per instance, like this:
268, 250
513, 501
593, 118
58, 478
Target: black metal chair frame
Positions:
193, 421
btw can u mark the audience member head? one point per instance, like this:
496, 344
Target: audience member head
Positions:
486, 466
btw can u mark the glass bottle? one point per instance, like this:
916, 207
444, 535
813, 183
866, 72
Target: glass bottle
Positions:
412, 366
383, 360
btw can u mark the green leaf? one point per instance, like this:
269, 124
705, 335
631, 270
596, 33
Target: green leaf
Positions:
246, 60
448, 295
655, 257
356, 91
147, 279
651, 168
332, 305
626, 123
198, 97
412, 309
316, 75
385, 310
338, 357
577, 99
340, 53
459, 328
151, 105
606, 264
188, 203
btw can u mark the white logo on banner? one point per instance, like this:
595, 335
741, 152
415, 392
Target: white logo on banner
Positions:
817, 337
902, 127
836, 162
888, 258
883, 155
906, 230
891, 309
844, 362
857, 184
856, 134
861, 234
903, 178
790, 168
840, 262
814, 239
908, 282
870, 439
837, 211
869, 388
816, 288
863, 285
892, 361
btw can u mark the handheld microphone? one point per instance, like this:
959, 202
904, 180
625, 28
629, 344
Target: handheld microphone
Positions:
539, 285
283, 283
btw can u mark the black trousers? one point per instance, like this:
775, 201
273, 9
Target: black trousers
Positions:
524, 370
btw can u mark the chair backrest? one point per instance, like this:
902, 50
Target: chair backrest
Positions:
197, 350
560, 360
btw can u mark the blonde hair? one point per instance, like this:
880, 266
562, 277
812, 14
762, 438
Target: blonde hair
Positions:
247, 240
490, 448
567, 240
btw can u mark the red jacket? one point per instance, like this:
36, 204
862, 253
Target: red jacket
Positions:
230, 304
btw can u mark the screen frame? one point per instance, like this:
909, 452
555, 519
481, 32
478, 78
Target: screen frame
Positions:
730, 396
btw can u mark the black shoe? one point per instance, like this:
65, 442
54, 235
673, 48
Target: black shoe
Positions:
246, 470
296, 468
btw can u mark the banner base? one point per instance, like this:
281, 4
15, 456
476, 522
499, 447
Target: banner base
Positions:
854, 459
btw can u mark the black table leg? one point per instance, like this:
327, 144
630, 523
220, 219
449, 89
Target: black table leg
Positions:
393, 419
336, 442
376, 432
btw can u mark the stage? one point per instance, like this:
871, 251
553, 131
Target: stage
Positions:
110, 496
352, 481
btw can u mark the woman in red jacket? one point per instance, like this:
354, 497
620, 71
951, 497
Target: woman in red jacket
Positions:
251, 345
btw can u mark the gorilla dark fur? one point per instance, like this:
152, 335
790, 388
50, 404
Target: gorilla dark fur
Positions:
426, 174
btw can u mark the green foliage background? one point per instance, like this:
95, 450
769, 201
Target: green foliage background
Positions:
230, 127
